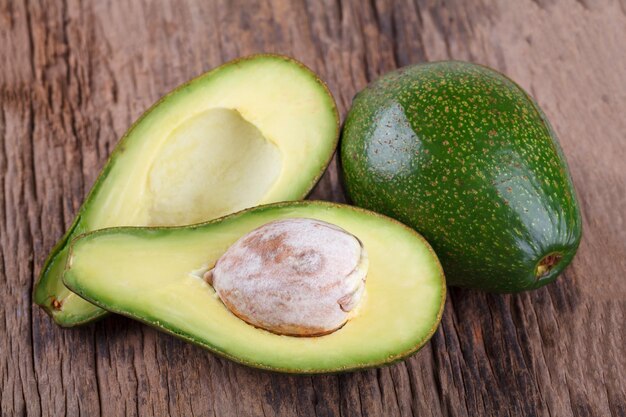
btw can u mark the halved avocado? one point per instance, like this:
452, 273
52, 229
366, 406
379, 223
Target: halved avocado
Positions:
151, 274
256, 130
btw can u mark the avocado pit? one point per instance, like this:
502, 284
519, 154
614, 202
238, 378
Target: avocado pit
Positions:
296, 277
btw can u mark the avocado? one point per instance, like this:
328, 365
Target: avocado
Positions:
465, 156
158, 276
256, 130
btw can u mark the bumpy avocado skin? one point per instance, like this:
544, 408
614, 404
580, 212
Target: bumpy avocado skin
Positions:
463, 155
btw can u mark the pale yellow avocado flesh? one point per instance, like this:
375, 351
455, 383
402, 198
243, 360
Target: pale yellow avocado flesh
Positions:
229, 166
152, 275
251, 132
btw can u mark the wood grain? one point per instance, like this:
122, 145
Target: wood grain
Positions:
74, 75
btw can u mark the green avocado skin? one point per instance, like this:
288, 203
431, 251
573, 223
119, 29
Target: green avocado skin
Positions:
466, 157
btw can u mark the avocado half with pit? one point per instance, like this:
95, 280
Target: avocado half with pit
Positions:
256, 130
466, 157
168, 277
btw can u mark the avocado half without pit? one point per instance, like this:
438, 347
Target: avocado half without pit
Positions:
302, 287
254, 131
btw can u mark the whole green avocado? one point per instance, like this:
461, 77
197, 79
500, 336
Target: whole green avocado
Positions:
465, 156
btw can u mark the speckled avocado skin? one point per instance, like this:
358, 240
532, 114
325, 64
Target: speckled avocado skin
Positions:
463, 155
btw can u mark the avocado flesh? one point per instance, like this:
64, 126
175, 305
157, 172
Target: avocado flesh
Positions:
463, 155
253, 131
152, 274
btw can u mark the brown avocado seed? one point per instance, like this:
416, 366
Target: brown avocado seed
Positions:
297, 277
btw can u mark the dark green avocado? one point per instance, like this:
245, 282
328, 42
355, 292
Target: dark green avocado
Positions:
466, 157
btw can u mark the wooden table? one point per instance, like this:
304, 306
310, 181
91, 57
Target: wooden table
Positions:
75, 74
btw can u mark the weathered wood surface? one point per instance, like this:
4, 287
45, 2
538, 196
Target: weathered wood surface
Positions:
74, 75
